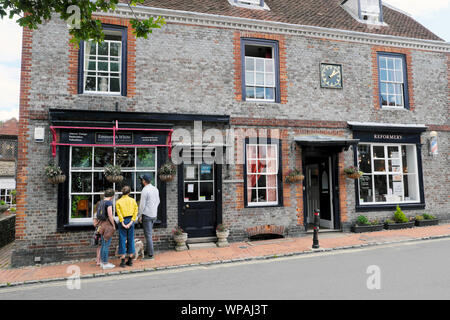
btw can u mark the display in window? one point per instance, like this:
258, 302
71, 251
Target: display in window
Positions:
81, 206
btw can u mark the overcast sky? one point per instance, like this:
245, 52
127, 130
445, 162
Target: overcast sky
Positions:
433, 14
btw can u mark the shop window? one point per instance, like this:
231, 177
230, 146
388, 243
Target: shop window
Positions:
87, 182
260, 70
392, 80
103, 65
6, 196
262, 174
390, 174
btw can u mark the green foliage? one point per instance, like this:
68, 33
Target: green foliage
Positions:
52, 170
12, 209
2, 203
111, 170
77, 13
362, 221
428, 216
168, 168
389, 221
375, 222
222, 228
419, 218
399, 216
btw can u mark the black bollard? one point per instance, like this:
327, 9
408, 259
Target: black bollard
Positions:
316, 229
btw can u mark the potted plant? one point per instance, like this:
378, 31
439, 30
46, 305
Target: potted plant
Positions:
3, 206
113, 173
364, 225
222, 233
54, 174
167, 171
180, 237
400, 221
426, 220
353, 172
294, 176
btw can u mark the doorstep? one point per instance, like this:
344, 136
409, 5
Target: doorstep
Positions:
201, 245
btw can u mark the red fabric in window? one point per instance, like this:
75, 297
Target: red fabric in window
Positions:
253, 169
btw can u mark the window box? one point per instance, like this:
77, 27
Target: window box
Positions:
396, 226
426, 223
368, 228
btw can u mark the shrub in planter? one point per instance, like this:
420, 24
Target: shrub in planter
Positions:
364, 225
426, 220
400, 221
353, 172
294, 176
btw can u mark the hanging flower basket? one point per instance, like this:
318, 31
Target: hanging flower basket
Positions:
54, 174
294, 176
113, 173
167, 171
57, 179
353, 173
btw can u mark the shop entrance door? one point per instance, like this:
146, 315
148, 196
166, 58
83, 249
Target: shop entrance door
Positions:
199, 195
320, 190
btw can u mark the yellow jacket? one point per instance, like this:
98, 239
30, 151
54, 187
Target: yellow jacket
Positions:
126, 207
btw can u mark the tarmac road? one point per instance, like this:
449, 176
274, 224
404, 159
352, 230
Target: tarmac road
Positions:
413, 270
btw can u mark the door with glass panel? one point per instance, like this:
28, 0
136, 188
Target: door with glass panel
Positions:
198, 194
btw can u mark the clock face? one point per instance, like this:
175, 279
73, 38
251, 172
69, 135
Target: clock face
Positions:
330, 76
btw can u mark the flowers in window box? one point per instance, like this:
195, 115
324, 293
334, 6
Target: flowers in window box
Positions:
167, 171
353, 172
54, 174
113, 173
294, 175
3, 206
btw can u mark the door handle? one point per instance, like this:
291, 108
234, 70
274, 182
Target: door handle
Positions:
186, 206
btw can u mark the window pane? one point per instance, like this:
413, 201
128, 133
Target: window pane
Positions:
81, 157
383, 62
114, 66
271, 180
390, 75
259, 65
259, 79
383, 75
399, 76
383, 88
379, 166
271, 195
145, 158
269, 65
380, 188
103, 48
250, 78
364, 158
259, 93
190, 172
81, 182
139, 185
270, 93
191, 191
100, 182
262, 152
102, 84
206, 172
398, 64
125, 157
390, 62
114, 85
384, 100
206, 191
393, 152
262, 195
249, 64
90, 84
128, 180
250, 92
272, 166
102, 66
114, 49
92, 65
81, 206
270, 79
378, 151
365, 189
399, 100
103, 156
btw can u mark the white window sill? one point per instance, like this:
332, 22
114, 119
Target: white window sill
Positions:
102, 94
395, 108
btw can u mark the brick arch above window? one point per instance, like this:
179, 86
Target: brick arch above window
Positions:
130, 58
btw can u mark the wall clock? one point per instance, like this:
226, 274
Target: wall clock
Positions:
331, 76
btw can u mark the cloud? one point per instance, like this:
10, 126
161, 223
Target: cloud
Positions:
8, 114
11, 35
9, 87
419, 7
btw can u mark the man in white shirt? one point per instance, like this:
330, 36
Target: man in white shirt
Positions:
148, 211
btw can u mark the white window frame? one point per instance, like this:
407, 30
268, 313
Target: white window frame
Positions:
5, 194
88, 58
93, 169
265, 75
247, 174
392, 82
198, 181
388, 173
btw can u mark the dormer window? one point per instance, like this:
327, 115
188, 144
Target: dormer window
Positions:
365, 11
250, 4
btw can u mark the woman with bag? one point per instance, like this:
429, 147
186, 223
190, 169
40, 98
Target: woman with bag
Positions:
106, 228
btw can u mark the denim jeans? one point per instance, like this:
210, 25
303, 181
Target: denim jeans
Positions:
104, 251
126, 235
147, 223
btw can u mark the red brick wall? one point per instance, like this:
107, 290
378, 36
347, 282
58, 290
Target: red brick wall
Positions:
409, 67
238, 66
22, 148
131, 57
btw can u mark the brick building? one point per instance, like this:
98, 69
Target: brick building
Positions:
264, 87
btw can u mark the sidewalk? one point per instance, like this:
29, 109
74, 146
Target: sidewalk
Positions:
238, 251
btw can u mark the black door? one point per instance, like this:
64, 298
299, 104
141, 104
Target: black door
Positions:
199, 199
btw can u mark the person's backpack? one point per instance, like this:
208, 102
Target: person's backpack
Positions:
101, 212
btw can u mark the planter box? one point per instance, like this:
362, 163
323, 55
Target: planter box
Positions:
396, 226
426, 223
359, 229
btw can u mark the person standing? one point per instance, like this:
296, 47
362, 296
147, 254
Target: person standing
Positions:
148, 211
127, 210
107, 227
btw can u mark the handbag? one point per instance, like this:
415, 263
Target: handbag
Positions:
95, 240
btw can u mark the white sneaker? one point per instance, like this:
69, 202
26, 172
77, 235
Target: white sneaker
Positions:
107, 266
